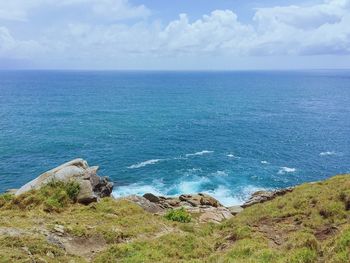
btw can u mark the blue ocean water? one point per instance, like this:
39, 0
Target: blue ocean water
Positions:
225, 133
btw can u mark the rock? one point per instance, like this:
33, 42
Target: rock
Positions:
215, 215
145, 204
86, 194
208, 200
235, 209
59, 229
92, 186
152, 198
200, 199
263, 196
208, 208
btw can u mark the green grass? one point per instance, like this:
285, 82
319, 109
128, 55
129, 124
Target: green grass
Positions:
310, 224
178, 215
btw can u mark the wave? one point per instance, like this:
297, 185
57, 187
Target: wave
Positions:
222, 192
233, 156
220, 173
199, 153
264, 162
145, 163
135, 189
224, 196
284, 170
327, 153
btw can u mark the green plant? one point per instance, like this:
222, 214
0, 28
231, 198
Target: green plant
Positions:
72, 188
179, 215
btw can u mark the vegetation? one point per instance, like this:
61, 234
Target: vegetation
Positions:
310, 224
179, 215
53, 197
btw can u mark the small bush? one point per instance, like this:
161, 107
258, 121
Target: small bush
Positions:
72, 189
5, 198
178, 215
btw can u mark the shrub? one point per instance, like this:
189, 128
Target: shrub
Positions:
5, 198
72, 188
179, 215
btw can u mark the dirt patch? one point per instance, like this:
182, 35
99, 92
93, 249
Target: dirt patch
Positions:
276, 230
326, 232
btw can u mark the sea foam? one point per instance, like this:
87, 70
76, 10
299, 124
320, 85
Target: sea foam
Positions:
327, 153
145, 163
284, 170
199, 153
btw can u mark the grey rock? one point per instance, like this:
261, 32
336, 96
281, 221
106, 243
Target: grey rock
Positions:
86, 194
263, 196
152, 198
145, 204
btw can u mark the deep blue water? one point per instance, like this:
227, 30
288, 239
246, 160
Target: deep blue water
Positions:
226, 133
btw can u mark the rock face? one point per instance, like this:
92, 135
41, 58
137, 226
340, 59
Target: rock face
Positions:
263, 196
92, 186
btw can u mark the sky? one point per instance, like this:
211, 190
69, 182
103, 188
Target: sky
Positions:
174, 35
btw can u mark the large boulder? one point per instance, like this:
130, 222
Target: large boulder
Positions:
92, 186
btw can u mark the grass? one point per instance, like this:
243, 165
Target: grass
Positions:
310, 224
178, 215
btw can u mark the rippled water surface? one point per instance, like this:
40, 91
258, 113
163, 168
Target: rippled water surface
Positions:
226, 133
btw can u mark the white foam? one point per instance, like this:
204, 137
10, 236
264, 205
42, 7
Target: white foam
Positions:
264, 162
327, 153
224, 196
199, 153
233, 156
135, 189
220, 173
145, 163
190, 186
284, 170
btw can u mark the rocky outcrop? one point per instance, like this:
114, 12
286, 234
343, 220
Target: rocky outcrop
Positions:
208, 208
263, 196
195, 200
92, 186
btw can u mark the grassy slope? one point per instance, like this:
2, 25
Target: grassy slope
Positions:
311, 224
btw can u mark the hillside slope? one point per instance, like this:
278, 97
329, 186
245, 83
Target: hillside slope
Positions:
309, 224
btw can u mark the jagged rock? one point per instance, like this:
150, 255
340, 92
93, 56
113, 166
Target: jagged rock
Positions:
263, 196
145, 204
92, 186
215, 215
152, 198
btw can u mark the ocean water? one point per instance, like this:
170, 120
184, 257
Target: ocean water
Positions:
224, 133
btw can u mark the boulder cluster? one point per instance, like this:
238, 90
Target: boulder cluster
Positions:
208, 208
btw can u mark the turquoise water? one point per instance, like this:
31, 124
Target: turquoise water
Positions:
225, 133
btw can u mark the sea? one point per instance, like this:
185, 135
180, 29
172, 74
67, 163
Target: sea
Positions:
226, 133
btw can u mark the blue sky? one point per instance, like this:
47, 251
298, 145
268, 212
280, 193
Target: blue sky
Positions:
174, 35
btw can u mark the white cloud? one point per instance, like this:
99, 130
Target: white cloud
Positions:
12, 48
112, 9
319, 29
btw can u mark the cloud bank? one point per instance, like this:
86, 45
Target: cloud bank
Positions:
116, 30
